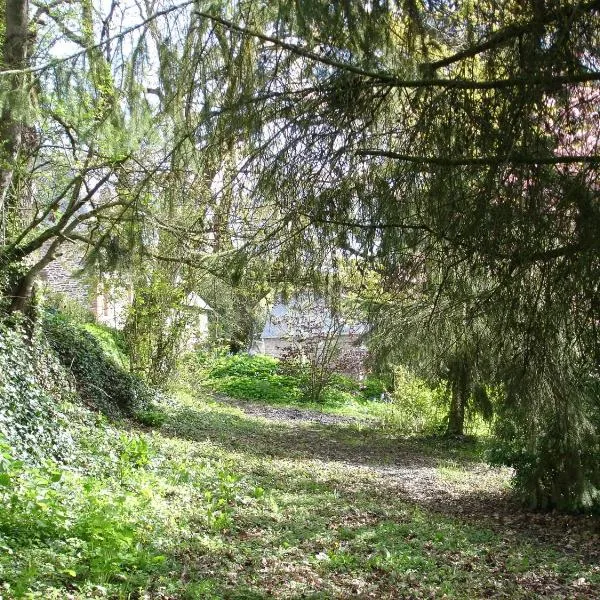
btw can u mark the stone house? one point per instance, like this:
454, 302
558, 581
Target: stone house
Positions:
109, 298
303, 322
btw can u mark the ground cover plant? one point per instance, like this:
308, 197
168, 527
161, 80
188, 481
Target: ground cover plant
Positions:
207, 496
219, 503
98, 365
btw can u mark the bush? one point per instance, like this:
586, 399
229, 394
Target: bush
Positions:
556, 456
100, 380
243, 365
74, 311
258, 377
416, 407
374, 388
273, 388
111, 341
153, 417
344, 383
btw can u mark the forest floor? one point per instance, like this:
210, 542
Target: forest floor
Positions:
350, 511
240, 500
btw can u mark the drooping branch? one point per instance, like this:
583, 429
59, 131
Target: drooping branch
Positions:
484, 161
104, 42
393, 81
503, 36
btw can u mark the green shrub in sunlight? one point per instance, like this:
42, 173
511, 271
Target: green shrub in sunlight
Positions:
270, 388
373, 388
264, 378
99, 378
416, 408
333, 396
152, 417
111, 341
243, 365
221, 500
344, 383
54, 301
134, 453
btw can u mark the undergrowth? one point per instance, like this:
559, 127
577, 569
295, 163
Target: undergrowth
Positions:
218, 504
410, 406
97, 367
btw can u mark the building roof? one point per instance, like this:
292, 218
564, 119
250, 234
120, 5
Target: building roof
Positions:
302, 319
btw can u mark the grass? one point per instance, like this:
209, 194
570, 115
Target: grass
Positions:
414, 407
220, 504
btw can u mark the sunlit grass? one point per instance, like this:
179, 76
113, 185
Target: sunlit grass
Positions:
232, 506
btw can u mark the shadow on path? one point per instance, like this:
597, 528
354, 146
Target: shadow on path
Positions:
450, 485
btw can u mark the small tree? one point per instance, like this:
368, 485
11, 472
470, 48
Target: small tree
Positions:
314, 331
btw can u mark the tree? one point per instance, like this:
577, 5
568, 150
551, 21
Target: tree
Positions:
313, 329
408, 149
410, 137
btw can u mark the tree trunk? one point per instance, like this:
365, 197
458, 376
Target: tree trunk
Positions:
21, 290
14, 55
456, 415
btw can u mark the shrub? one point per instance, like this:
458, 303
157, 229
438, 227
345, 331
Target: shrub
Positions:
59, 302
374, 388
111, 341
344, 383
153, 417
556, 456
416, 407
274, 388
100, 380
243, 365
89, 531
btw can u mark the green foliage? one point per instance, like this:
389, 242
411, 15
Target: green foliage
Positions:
99, 379
221, 492
134, 453
89, 530
152, 417
416, 407
269, 388
32, 385
111, 341
257, 377
373, 388
159, 324
251, 377
74, 311
243, 365
556, 451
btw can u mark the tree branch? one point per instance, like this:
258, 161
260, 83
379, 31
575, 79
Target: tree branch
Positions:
507, 34
393, 81
484, 161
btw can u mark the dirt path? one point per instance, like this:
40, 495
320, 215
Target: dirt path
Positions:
430, 477
281, 413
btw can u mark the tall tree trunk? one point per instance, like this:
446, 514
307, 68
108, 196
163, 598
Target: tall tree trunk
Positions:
14, 55
12, 122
